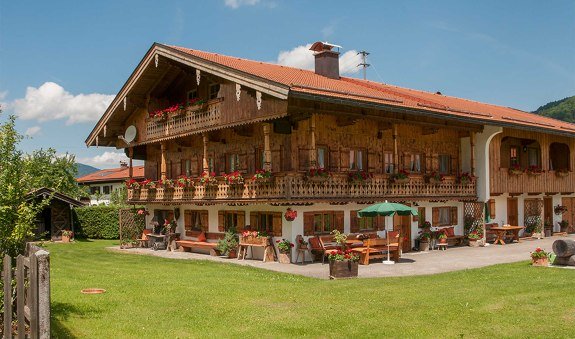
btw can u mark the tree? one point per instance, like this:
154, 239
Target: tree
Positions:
119, 196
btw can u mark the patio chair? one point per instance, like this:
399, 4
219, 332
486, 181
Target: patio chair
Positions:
317, 247
144, 241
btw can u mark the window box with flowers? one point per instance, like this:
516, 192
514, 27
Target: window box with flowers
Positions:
464, 179
234, 179
318, 175
263, 177
539, 257
290, 214
343, 264
184, 182
166, 183
207, 179
177, 109
254, 238
434, 178
359, 177
563, 172
401, 177
534, 170
284, 248
516, 170
132, 184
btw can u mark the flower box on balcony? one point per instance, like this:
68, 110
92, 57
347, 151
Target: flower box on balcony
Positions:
516, 170
400, 181
562, 173
263, 177
401, 177
318, 179
317, 175
534, 171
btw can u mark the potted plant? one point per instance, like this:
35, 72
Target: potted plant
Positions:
401, 177
564, 226
359, 177
560, 209
474, 238
317, 175
263, 177
539, 257
464, 179
442, 238
184, 182
67, 235
434, 178
284, 247
343, 264
234, 179
228, 246
562, 172
534, 226
516, 169
290, 214
534, 170
170, 226
424, 239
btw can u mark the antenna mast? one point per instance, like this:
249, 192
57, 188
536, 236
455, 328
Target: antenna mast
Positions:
364, 63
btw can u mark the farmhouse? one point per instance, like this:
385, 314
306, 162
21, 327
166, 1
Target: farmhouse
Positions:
103, 183
230, 142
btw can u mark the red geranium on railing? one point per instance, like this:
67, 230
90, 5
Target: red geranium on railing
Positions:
163, 113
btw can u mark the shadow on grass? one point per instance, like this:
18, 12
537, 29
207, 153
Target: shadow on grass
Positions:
83, 240
61, 313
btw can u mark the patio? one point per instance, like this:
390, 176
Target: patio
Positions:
414, 263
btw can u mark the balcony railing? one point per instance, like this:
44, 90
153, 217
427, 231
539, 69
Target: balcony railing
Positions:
548, 182
186, 120
294, 187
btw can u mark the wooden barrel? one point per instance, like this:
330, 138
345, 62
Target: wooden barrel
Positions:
565, 261
564, 247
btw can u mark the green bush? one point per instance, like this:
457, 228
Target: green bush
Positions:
97, 222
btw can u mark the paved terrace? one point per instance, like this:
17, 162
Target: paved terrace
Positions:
414, 263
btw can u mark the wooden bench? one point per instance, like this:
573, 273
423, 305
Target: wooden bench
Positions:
377, 248
321, 245
197, 241
457, 240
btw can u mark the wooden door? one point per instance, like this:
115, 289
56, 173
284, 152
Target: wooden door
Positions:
547, 210
512, 214
569, 216
403, 224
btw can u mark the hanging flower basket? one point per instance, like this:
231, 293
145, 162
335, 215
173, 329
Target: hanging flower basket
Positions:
290, 215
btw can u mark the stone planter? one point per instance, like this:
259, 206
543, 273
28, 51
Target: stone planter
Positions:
284, 258
424, 246
474, 242
540, 262
343, 269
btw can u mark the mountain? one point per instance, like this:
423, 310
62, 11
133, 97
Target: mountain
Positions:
85, 169
561, 109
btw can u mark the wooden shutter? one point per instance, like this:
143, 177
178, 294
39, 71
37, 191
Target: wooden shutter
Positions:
254, 221
170, 215
308, 223
277, 224
454, 216
435, 216
188, 220
243, 162
492, 209
372, 161
303, 159
241, 220
220, 165
338, 218
354, 222
333, 160
421, 216
204, 220
406, 161
380, 222
221, 221
344, 154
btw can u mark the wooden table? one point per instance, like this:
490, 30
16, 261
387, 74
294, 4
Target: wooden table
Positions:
158, 241
501, 231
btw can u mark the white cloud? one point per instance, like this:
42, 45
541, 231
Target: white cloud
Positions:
105, 160
51, 102
31, 131
237, 3
302, 57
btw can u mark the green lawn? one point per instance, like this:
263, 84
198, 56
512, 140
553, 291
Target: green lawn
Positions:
154, 297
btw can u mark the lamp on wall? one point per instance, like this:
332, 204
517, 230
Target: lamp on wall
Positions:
524, 148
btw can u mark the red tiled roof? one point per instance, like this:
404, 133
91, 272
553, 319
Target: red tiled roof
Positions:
112, 174
307, 82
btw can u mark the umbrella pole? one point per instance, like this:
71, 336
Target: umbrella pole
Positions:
388, 262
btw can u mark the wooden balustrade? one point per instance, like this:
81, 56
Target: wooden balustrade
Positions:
296, 187
189, 119
548, 182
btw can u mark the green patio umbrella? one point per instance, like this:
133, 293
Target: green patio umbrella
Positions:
386, 209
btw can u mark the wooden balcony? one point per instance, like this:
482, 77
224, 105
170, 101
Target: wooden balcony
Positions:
294, 188
503, 182
184, 121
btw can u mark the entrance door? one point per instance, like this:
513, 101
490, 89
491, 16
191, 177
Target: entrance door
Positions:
403, 224
569, 216
512, 214
548, 211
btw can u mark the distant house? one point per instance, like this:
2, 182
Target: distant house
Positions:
55, 217
102, 183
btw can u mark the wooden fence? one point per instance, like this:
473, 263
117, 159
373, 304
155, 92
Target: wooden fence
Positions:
32, 275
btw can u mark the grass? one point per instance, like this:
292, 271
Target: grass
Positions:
155, 298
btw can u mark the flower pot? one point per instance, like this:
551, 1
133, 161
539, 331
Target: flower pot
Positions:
443, 241
343, 269
424, 246
65, 238
284, 258
540, 262
474, 242
232, 254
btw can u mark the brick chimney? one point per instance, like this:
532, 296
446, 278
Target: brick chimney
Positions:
326, 59
123, 164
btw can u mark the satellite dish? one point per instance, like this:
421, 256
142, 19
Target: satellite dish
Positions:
130, 134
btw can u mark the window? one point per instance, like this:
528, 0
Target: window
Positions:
388, 162
214, 90
357, 160
211, 167
322, 161
95, 190
444, 164
107, 189
231, 220
193, 94
559, 156
514, 155
160, 217
533, 156
187, 167
365, 224
322, 222
415, 163
444, 216
232, 163
260, 158
196, 220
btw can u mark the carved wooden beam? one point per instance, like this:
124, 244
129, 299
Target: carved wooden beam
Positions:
429, 130
342, 121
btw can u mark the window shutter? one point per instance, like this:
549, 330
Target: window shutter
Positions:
338, 217
333, 159
344, 154
435, 216
221, 221
380, 222
454, 216
303, 159
406, 161
421, 216
492, 209
254, 221
241, 221
308, 223
277, 224
243, 162
188, 220
372, 161
204, 221
354, 222
170, 215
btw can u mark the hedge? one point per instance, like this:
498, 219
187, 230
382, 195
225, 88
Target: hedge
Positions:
97, 222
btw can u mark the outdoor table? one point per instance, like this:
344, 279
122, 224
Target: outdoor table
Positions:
350, 243
157, 241
501, 231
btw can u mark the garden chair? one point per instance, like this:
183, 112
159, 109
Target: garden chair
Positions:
144, 241
317, 247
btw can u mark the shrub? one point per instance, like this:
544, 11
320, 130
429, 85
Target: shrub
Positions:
97, 222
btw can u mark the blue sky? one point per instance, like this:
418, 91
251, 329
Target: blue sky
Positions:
61, 61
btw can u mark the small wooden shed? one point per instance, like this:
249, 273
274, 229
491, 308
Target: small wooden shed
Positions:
55, 217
